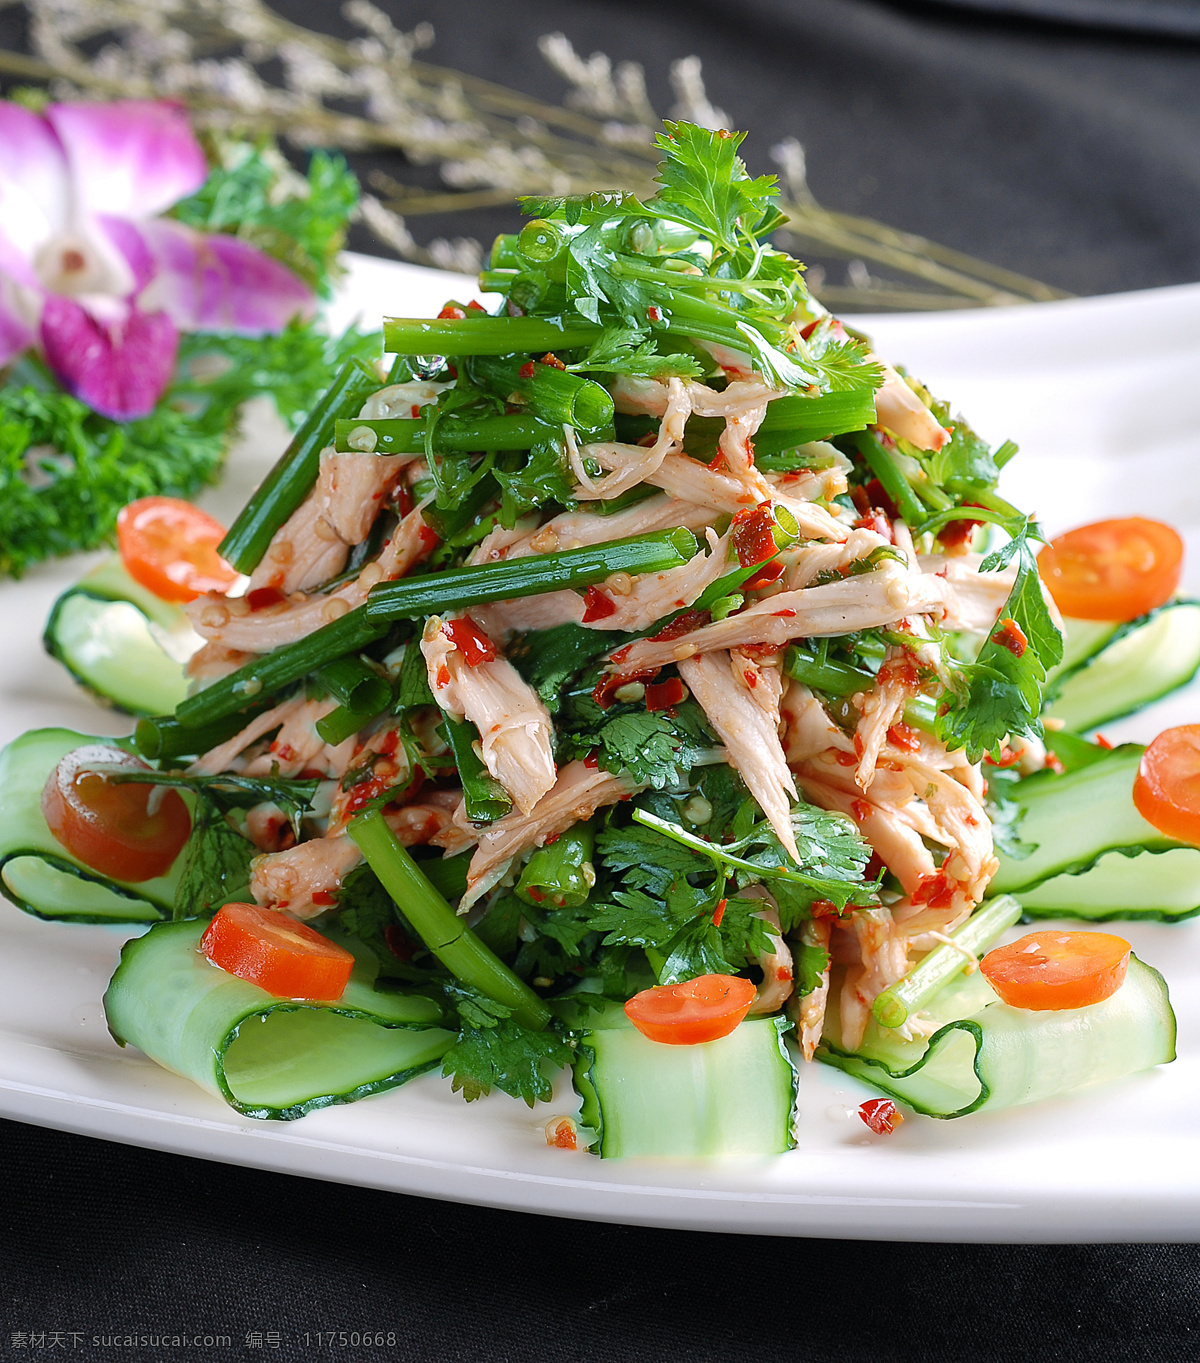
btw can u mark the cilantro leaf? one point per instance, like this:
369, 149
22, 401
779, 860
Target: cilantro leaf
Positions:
704, 183
548, 658
1000, 693
492, 1051
216, 869
656, 748
228, 790
625, 350
810, 964
543, 477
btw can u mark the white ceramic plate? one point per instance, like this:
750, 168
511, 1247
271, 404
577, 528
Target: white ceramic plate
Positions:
1104, 396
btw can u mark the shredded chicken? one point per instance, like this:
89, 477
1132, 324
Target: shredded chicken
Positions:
577, 794
883, 952
777, 966
881, 708
899, 409
515, 730
233, 623
882, 597
811, 1013
750, 732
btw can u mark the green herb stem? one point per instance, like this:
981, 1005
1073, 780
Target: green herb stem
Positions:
263, 676
485, 798
355, 683
560, 875
835, 679
435, 593
891, 477
289, 482
479, 334
553, 395
163, 737
402, 435
896, 1004
440, 928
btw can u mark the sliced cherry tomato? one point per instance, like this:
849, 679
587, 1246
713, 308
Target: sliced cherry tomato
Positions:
1049, 971
130, 832
285, 957
704, 1009
1113, 570
170, 547
1166, 789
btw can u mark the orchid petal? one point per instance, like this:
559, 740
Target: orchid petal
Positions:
217, 282
34, 189
130, 158
118, 369
129, 241
15, 334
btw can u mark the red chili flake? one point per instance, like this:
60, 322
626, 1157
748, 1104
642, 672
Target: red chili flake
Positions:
451, 313
750, 678
597, 605
262, 598
428, 537
881, 1115
846, 759
957, 533
784, 615
526, 370
904, 737
312, 774
1102, 742
1011, 636
861, 809
552, 360
665, 695
654, 314
936, 890
452, 370
681, 625
561, 1136
475, 306
604, 690
591, 761
771, 573
719, 913
443, 675
403, 499
415, 409
323, 897
753, 534
1007, 758
388, 744
717, 464
284, 751
535, 894
807, 331
363, 794
1053, 764
824, 908
470, 641
399, 943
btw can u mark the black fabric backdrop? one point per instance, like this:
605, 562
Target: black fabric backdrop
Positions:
1068, 151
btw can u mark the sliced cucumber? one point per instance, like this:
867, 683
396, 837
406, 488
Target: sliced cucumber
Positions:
1082, 639
732, 1097
37, 872
121, 641
1136, 664
267, 1057
986, 1055
1153, 885
1073, 819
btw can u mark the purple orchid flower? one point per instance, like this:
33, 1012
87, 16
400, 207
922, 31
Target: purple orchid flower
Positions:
93, 275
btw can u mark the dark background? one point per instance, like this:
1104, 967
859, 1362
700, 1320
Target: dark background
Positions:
1067, 150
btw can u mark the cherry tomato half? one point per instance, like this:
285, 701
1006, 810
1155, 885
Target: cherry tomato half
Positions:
703, 1009
1113, 570
1166, 789
170, 547
286, 958
130, 832
1049, 971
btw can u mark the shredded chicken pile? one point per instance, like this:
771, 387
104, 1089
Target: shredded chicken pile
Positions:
917, 805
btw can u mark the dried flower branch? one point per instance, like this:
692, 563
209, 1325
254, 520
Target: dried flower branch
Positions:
488, 142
